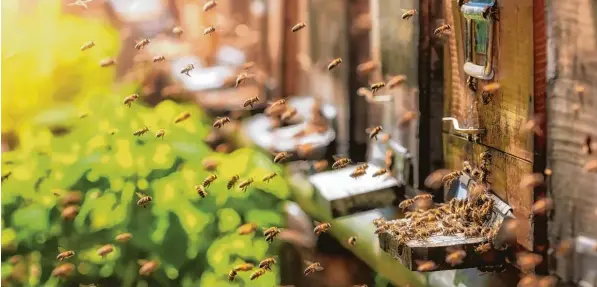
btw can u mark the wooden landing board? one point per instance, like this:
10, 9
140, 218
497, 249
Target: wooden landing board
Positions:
506, 172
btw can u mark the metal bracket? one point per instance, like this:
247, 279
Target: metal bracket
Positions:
475, 10
458, 129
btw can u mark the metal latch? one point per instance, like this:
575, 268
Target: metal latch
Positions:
476, 12
458, 129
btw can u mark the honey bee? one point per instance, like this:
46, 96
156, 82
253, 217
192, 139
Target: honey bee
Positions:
321, 227
8, 174
258, 273
208, 180
471, 83
340, 162
177, 31
268, 177
488, 91
232, 181
298, 27
248, 65
377, 86
434, 180
63, 270
381, 229
531, 126
65, 254
367, 67
380, 172
209, 5
528, 261
241, 78
423, 196
321, 165
220, 122
243, 267
281, 157
288, 114
396, 81
141, 132
232, 275
246, 228
443, 29
379, 221
352, 241
70, 212
144, 200
409, 14
105, 250
147, 267
209, 30
123, 237
425, 266
267, 263
358, 172
373, 132
364, 92
245, 184
333, 64
141, 44
482, 248
181, 117
107, 62
200, 190
271, 233
587, 147
450, 177
87, 45
160, 133
406, 118
130, 99
157, 59
312, 267
187, 69
406, 203
590, 166
251, 102
542, 206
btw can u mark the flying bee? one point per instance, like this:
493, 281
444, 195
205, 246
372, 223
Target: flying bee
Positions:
406, 203
159, 59
187, 69
243, 267
208, 180
321, 227
396, 81
281, 157
312, 267
220, 122
65, 254
590, 166
333, 64
107, 62
377, 86
105, 250
63, 270
147, 267
380, 172
160, 133
232, 275
70, 212
488, 91
441, 30
271, 233
352, 241
288, 114
209, 30
130, 99
181, 117
241, 78
321, 165
177, 31
408, 14
340, 162
141, 44
246, 228
248, 65
483, 248
8, 174
425, 266
141, 132
245, 184
373, 132
268, 177
201, 190
144, 200
123, 237
455, 257
251, 102
542, 206
87, 45
528, 261
209, 5
267, 263
258, 273
367, 67
232, 181
406, 118
298, 27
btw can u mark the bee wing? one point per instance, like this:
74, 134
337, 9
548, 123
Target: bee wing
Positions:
140, 195
142, 261
308, 263
62, 249
338, 157
369, 130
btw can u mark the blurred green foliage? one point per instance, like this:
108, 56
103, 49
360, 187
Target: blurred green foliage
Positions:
42, 65
193, 238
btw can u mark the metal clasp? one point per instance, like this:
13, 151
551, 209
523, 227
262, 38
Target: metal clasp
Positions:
477, 10
457, 128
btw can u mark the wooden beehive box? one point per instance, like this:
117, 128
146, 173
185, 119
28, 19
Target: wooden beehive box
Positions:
436, 247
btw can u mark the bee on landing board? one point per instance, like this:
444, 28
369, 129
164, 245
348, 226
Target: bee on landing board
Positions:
334, 63
130, 99
312, 267
220, 122
340, 162
298, 27
144, 200
442, 30
380, 172
408, 14
142, 43
321, 227
87, 45
358, 172
64, 254
373, 132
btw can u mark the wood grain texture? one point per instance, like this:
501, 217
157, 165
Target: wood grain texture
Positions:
506, 172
